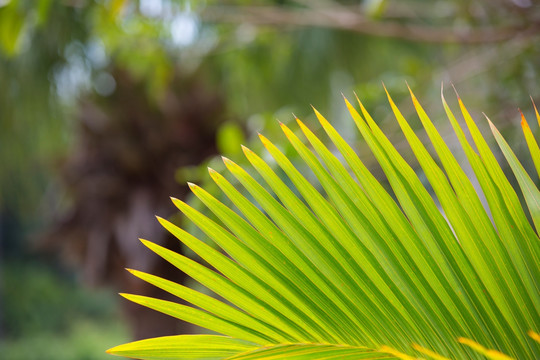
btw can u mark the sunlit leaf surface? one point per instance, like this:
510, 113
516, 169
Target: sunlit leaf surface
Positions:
347, 269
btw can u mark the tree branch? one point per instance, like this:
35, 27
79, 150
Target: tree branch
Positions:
355, 21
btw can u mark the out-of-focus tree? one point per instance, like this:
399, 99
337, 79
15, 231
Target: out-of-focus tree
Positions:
121, 172
263, 54
140, 118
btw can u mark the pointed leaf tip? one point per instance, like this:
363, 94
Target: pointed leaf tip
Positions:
534, 104
317, 113
392, 104
246, 150
161, 220
536, 111
263, 139
214, 174
388, 350
386, 91
408, 87
413, 97
428, 352
145, 242
524, 123
348, 103
534, 335
124, 295
288, 132
179, 203
491, 125
322, 119
455, 90
228, 162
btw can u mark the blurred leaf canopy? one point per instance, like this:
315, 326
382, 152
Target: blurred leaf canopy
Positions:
264, 56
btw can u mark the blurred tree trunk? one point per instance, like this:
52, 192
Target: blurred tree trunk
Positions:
120, 173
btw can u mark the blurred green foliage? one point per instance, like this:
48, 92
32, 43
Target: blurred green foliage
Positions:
55, 53
41, 303
84, 340
48, 311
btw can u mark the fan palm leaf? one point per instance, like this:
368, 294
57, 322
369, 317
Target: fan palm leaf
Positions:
360, 271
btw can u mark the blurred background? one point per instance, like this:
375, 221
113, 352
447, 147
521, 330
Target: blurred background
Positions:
108, 107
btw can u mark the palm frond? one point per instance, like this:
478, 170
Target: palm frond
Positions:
356, 271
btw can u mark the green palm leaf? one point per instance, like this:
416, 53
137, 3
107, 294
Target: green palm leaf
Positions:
357, 271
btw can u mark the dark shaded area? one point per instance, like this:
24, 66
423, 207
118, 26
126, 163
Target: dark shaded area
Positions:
120, 175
